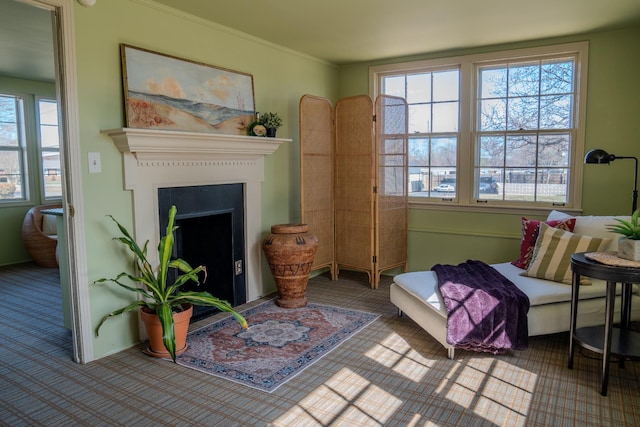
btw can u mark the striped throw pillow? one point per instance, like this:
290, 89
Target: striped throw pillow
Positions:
552, 253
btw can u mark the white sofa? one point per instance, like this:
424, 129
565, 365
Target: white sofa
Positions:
416, 293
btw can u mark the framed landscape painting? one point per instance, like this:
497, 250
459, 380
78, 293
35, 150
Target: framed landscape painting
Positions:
169, 93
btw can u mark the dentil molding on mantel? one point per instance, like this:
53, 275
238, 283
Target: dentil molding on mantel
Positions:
141, 141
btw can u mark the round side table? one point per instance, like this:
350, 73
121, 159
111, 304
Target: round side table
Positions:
606, 340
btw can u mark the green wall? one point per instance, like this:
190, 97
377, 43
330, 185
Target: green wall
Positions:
613, 104
280, 76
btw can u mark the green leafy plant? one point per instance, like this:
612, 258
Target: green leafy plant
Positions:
151, 284
271, 120
630, 229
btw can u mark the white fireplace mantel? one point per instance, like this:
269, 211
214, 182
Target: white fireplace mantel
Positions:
154, 159
141, 142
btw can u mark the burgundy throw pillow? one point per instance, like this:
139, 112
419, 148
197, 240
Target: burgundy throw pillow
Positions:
530, 231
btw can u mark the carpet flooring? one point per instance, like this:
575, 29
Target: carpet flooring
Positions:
389, 374
278, 344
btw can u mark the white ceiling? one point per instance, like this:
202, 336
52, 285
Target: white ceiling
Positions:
344, 31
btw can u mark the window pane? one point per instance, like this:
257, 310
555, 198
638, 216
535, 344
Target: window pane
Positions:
493, 82
444, 152
418, 152
492, 151
418, 88
420, 118
523, 113
9, 121
446, 86
11, 149
554, 150
551, 185
50, 149
489, 184
557, 77
524, 79
443, 183
10, 175
418, 166
445, 117
555, 112
8, 134
394, 86
521, 150
493, 115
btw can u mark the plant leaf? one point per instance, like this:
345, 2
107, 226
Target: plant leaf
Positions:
165, 314
130, 307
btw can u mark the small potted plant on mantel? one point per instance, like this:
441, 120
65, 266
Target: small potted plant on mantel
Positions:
271, 121
629, 243
165, 310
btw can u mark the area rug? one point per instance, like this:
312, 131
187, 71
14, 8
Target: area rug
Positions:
278, 345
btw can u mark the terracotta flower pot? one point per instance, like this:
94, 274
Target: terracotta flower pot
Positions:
290, 250
154, 331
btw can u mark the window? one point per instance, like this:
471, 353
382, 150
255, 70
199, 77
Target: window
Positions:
29, 149
498, 129
13, 185
49, 144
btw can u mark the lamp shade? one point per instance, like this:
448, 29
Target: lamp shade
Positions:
598, 156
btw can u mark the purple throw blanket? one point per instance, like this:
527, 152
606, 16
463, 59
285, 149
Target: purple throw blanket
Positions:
487, 312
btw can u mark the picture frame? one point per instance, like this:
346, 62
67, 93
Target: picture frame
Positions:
169, 93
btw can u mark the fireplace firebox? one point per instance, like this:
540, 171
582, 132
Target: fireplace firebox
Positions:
210, 220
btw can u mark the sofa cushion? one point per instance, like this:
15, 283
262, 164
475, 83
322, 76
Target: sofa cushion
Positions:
552, 253
530, 231
592, 225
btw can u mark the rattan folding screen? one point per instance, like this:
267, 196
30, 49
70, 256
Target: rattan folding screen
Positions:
316, 170
360, 160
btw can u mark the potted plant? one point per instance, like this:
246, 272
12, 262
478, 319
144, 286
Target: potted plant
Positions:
629, 243
161, 301
271, 121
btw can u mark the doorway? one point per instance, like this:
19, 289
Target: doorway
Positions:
49, 56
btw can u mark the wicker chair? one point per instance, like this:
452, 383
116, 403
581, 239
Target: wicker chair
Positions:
40, 246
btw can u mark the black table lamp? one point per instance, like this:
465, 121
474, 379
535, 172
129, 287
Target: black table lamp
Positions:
599, 156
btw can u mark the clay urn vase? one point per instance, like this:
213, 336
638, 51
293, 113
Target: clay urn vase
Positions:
290, 250
154, 331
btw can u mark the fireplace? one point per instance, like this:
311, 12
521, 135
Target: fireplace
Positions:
156, 160
210, 220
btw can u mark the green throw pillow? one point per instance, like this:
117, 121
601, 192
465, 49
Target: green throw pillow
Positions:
553, 250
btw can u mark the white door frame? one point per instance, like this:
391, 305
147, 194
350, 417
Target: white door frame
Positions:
72, 196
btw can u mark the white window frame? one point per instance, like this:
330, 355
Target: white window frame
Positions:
41, 150
468, 66
21, 149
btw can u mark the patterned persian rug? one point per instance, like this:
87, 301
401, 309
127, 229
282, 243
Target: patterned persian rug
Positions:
278, 345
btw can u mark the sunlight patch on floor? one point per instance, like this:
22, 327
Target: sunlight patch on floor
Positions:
395, 353
344, 399
490, 388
